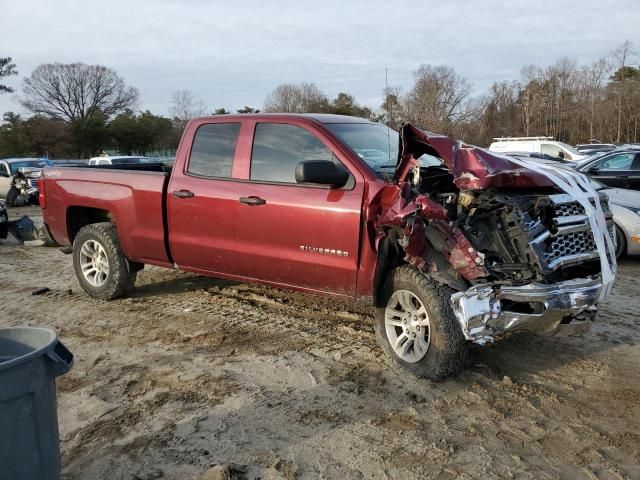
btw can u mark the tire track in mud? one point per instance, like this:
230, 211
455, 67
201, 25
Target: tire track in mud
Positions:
262, 311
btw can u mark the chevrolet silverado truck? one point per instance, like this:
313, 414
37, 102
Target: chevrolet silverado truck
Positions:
452, 243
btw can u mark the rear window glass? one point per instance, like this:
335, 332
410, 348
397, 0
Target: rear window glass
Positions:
213, 149
278, 148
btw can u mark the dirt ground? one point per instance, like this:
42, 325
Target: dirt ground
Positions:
193, 372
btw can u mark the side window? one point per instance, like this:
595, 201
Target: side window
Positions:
622, 161
4, 168
213, 149
550, 149
278, 148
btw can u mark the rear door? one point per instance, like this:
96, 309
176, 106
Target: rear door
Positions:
298, 235
202, 200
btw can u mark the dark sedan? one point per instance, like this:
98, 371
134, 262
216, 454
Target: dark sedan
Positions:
617, 169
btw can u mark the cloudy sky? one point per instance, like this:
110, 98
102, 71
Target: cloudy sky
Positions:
233, 53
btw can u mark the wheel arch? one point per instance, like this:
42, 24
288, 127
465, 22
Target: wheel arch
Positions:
79, 216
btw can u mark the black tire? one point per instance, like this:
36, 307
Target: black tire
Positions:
621, 243
12, 197
4, 225
447, 351
121, 276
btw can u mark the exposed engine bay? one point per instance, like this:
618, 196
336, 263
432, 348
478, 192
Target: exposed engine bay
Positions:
520, 247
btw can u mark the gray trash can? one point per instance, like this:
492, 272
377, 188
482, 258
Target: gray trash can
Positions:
30, 360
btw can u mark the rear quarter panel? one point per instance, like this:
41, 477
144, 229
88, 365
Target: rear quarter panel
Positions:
134, 201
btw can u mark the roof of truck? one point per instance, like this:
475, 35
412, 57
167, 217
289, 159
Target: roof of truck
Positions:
331, 118
319, 117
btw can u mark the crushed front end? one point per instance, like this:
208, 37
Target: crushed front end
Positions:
523, 247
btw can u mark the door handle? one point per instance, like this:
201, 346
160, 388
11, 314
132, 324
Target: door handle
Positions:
183, 194
253, 201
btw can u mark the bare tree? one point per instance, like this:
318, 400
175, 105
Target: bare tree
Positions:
621, 56
590, 90
76, 91
7, 69
185, 106
438, 99
301, 98
392, 107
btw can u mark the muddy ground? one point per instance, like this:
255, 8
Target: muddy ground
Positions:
193, 372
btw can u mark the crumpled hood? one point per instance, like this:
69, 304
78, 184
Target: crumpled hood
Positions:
472, 167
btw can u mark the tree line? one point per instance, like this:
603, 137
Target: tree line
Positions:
79, 110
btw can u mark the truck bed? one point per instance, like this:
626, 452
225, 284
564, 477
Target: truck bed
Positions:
132, 196
135, 167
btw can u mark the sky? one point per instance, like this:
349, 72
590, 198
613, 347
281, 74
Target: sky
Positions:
233, 53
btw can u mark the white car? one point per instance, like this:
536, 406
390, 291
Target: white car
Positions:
117, 160
31, 167
625, 206
546, 145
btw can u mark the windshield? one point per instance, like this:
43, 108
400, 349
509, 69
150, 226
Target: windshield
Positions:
14, 166
375, 143
570, 149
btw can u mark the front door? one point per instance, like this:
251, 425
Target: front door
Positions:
614, 170
298, 235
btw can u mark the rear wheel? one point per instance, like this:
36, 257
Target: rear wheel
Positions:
417, 328
101, 267
621, 242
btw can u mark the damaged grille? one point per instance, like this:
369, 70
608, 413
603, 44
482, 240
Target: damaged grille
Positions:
574, 208
569, 239
570, 244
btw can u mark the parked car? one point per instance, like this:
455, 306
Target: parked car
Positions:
117, 160
624, 205
461, 246
591, 148
30, 168
618, 169
537, 145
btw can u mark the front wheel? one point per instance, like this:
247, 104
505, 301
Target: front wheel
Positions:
12, 198
101, 267
621, 243
417, 328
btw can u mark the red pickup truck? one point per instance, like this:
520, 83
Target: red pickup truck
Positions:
452, 243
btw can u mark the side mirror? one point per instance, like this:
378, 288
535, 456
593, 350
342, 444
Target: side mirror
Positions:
595, 169
322, 172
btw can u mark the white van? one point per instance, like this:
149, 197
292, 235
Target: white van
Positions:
537, 145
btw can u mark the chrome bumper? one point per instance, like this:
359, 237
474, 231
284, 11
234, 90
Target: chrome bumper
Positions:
566, 308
